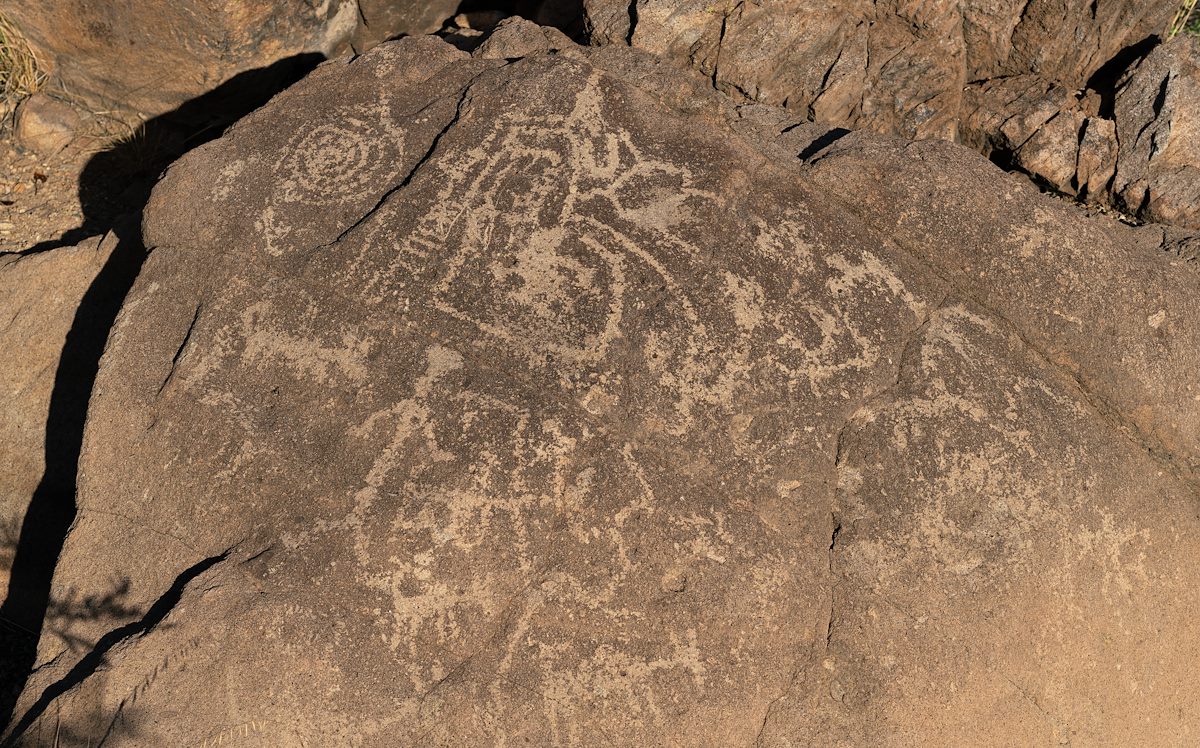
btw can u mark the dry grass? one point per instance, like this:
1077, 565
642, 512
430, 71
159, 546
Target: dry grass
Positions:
1186, 20
20, 73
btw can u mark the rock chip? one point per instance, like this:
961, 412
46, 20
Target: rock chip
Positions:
45, 125
559, 400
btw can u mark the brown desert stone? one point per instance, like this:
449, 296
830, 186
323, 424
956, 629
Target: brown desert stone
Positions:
561, 401
150, 57
45, 125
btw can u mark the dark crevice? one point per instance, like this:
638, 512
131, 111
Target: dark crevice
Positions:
1106, 78
823, 142
187, 336
717, 57
1160, 99
633, 21
1080, 189
93, 660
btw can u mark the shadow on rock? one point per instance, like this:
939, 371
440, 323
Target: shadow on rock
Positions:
113, 189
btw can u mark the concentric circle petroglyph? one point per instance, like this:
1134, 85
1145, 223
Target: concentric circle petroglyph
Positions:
333, 158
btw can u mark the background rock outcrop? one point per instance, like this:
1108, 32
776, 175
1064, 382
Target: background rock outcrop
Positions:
892, 67
554, 398
1157, 112
152, 57
1134, 148
1033, 84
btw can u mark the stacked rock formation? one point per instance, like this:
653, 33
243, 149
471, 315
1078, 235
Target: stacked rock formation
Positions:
1032, 83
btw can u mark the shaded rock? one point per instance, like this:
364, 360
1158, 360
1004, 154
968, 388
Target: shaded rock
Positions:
562, 401
150, 59
39, 295
45, 125
386, 19
1158, 123
896, 68
58, 306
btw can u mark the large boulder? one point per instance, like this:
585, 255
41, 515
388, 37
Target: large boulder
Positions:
543, 396
152, 57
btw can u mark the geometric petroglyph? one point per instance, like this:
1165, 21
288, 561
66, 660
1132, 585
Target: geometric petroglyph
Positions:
339, 159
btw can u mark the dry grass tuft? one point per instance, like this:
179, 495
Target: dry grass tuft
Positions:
20, 72
1186, 20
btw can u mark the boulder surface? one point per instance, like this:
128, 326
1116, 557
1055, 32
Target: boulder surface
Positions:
152, 57
545, 396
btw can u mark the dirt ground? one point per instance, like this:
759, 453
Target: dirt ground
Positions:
39, 197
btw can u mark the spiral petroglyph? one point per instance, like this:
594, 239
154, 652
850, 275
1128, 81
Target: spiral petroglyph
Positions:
333, 158
343, 158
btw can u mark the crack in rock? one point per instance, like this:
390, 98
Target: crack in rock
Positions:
97, 658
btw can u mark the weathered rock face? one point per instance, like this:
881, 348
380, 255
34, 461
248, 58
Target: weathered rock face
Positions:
383, 19
151, 57
1158, 123
893, 67
465, 401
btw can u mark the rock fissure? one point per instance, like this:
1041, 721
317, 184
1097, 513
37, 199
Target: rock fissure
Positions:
772, 705
187, 336
406, 180
96, 658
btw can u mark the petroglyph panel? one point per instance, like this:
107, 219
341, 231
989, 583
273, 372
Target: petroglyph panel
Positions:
592, 425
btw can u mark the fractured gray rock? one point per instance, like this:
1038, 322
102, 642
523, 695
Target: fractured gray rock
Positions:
1158, 124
